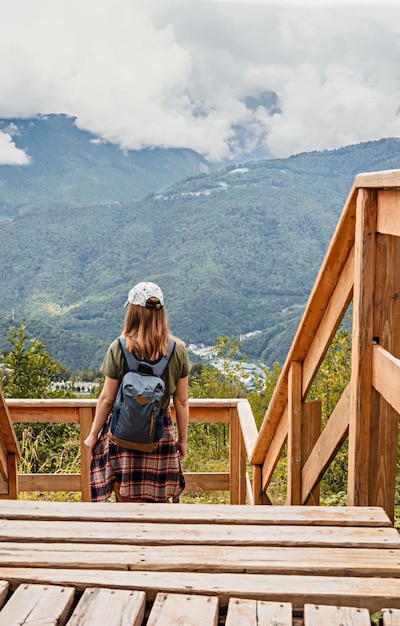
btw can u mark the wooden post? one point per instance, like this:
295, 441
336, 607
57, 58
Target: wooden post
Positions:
12, 477
361, 362
386, 332
237, 476
242, 469
310, 432
85, 422
294, 434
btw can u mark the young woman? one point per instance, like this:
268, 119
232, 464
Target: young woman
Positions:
141, 476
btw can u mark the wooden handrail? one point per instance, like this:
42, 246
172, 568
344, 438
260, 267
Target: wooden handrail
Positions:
236, 413
361, 266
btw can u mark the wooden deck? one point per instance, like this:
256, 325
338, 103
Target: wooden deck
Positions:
83, 563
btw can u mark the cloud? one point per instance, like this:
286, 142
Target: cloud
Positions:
9, 153
183, 73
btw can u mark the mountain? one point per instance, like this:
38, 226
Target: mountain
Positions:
235, 251
71, 168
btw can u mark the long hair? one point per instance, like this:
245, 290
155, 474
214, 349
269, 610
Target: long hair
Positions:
146, 332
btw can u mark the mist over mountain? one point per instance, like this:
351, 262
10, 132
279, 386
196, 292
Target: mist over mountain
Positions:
235, 250
66, 168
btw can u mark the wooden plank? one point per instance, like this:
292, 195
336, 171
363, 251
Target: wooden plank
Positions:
242, 462
208, 410
294, 434
3, 486
257, 485
13, 483
85, 422
46, 605
189, 610
206, 481
187, 534
242, 612
49, 482
326, 446
247, 426
310, 432
39, 412
317, 615
386, 331
275, 450
194, 513
391, 617
249, 490
235, 460
7, 432
330, 322
386, 375
306, 561
211, 410
388, 218
359, 457
111, 607
3, 461
385, 178
3, 591
384, 453
20, 406
369, 593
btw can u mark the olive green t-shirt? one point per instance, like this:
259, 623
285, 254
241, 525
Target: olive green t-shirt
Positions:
178, 367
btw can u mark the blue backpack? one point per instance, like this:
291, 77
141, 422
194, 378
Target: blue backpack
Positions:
137, 420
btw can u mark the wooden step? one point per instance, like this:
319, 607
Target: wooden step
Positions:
197, 513
111, 607
243, 612
38, 604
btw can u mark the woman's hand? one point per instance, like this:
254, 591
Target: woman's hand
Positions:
181, 405
90, 443
181, 448
103, 408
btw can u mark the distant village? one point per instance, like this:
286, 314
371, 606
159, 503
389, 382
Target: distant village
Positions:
206, 354
77, 387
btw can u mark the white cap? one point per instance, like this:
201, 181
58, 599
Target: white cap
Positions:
141, 293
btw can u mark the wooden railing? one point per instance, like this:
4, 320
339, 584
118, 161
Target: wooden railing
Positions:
362, 266
236, 413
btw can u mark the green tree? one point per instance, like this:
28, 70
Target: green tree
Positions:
31, 367
223, 380
209, 442
328, 386
31, 371
261, 395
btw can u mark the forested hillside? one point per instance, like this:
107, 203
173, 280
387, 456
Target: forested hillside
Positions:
234, 250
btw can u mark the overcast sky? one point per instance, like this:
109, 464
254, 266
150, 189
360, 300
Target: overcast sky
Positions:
202, 74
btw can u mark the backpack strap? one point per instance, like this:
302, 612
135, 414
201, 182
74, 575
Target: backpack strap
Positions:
133, 364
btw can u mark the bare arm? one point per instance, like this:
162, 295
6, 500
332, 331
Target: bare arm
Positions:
181, 404
103, 408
